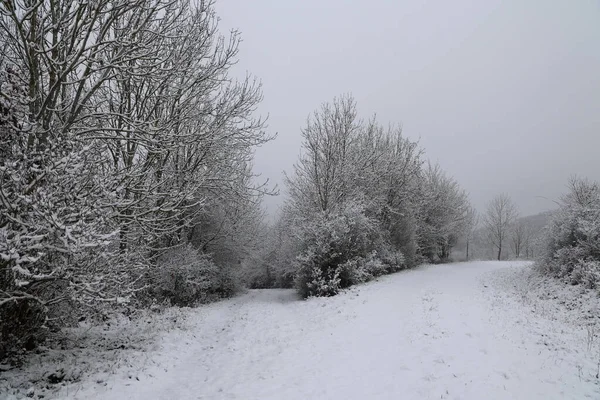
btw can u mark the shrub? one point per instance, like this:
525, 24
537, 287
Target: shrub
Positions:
185, 277
21, 326
573, 236
355, 271
587, 273
394, 260
314, 279
363, 269
334, 246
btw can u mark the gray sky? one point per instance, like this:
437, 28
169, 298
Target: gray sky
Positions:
505, 95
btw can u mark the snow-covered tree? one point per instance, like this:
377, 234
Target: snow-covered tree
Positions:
321, 178
124, 130
182, 131
359, 198
392, 179
444, 214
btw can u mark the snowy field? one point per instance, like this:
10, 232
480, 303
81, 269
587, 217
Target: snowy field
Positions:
480, 330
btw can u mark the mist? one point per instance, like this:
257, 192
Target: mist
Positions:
504, 95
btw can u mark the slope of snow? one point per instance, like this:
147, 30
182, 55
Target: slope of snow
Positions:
459, 331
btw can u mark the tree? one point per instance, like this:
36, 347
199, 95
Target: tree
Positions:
124, 130
519, 238
361, 204
444, 214
500, 214
320, 180
530, 242
472, 225
393, 178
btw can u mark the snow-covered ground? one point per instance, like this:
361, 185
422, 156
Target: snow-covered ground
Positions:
480, 330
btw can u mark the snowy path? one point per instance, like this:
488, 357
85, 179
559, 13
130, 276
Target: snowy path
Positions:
438, 332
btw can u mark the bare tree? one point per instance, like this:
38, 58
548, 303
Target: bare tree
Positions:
500, 214
472, 224
519, 238
530, 242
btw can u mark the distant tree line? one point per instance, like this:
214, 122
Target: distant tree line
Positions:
501, 233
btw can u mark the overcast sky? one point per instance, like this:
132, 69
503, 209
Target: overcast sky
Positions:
505, 95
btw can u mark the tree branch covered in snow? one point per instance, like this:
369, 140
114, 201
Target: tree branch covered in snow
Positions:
121, 131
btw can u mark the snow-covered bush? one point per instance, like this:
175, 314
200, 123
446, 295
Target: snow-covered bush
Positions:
394, 260
185, 277
573, 236
329, 242
363, 269
317, 277
355, 270
587, 273
328, 274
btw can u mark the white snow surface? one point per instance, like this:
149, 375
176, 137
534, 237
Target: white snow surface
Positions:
454, 331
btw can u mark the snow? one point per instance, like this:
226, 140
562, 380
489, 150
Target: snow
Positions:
480, 330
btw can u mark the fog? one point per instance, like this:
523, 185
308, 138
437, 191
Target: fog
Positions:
505, 95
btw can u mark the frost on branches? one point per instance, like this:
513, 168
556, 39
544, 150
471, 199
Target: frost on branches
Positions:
53, 226
335, 245
444, 215
121, 132
573, 236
